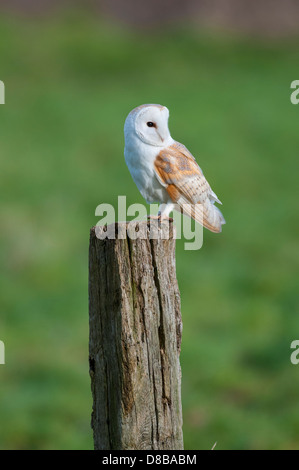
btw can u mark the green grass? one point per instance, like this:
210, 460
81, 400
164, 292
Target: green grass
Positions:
70, 82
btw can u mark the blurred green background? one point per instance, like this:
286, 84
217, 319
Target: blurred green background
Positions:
71, 78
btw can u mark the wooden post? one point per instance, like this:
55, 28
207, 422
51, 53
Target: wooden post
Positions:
135, 339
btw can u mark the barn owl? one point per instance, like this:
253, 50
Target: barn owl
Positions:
165, 171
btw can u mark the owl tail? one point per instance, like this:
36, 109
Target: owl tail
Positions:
206, 214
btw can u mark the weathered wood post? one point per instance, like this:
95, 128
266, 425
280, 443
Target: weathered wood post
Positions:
135, 339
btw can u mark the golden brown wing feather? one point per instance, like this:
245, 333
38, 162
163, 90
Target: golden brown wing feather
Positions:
178, 172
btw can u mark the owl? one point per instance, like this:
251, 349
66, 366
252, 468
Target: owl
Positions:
165, 171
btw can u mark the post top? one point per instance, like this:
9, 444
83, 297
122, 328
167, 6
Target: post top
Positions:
152, 229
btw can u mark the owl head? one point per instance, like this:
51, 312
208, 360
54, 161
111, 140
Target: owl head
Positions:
149, 123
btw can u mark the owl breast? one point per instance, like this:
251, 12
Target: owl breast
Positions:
140, 162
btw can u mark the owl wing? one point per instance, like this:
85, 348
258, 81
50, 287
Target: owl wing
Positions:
184, 181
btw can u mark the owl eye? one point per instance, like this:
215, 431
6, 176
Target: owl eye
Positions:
150, 124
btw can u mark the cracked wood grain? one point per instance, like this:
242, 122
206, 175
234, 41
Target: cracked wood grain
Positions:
135, 340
